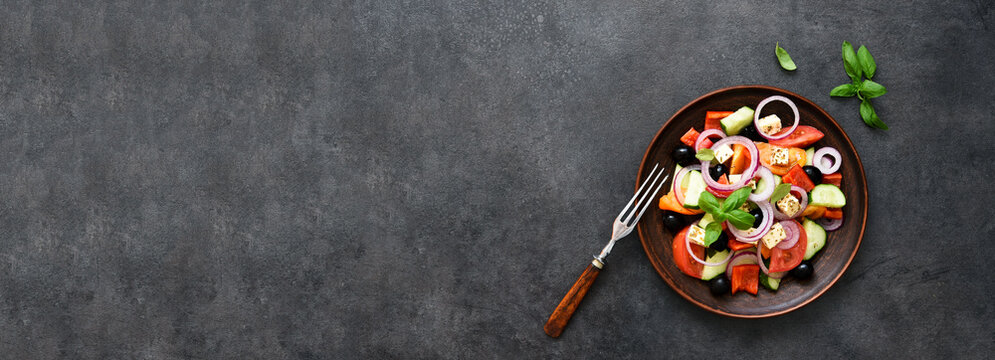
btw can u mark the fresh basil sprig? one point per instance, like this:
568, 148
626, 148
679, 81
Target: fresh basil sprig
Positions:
779, 192
859, 64
728, 210
783, 58
705, 155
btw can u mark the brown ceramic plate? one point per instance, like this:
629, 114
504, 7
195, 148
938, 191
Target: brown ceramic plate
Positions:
829, 264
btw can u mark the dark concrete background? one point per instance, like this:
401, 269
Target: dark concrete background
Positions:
425, 180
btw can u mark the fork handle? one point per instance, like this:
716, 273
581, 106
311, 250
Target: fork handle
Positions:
558, 320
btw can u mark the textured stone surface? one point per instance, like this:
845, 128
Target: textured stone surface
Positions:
425, 180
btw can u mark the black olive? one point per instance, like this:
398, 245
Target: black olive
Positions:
750, 132
813, 173
720, 244
802, 271
719, 285
684, 155
718, 170
758, 217
673, 221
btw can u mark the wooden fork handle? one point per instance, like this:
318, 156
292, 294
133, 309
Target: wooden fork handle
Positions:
558, 321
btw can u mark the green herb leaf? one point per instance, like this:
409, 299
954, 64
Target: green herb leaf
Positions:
870, 117
741, 219
866, 61
870, 89
712, 232
845, 90
784, 58
709, 203
779, 192
736, 199
850, 62
705, 155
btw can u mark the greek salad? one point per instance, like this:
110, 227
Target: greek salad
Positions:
752, 199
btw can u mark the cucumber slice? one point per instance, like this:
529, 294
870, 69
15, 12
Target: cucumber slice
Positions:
816, 238
738, 120
762, 184
809, 154
677, 169
705, 220
827, 195
770, 284
710, 272
696, 185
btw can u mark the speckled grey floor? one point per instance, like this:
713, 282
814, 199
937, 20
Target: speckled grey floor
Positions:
425, 180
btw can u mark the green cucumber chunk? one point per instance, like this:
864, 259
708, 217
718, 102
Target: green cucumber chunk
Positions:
770, 284
677, 169
736, 121
827, 195
809, 154
816, 237
705, 220
710, 272
696, 185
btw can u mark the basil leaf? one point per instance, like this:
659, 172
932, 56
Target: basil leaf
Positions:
845, 90
709, 203
850, 62
779, 192
870, 89
740, 219
736, 199
712, 232
866, 61
705, 155
870, 117
784, 58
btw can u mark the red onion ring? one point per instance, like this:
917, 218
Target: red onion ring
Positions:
829, 224
772, 275
820, 155
751, 236
705, 135
768, 178
802, 201
678, 179
741, 258
782, 134
747, 175
687, 245
792, 230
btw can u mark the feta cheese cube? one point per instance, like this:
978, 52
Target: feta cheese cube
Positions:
769, 124
696, 235
789, 205
778, 155
723, 153
774, 236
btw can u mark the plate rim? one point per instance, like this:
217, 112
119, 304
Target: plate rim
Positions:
860, 166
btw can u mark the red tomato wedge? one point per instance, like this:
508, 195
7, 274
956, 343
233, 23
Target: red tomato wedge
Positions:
797, 176
746, 278
835, 179
736, 245
713, 118
683, 260
795, 156
784, 260
690, 137
803, 136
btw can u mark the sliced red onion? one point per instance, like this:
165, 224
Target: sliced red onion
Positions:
824, 164
741, 258
793, 233
678, 179
747, 175
705, 135
752, 235
687, 244
802, 201
782, 134
829, 224
768, 178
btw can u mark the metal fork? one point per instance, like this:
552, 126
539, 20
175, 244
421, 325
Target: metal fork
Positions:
622, 227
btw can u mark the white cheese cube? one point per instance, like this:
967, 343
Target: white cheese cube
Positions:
789, 205
778, 155
723, 153
769, 124
774, 236
696, 235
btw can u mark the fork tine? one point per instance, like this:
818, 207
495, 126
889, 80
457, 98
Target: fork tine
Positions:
626, 208
634, 209
647, 205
